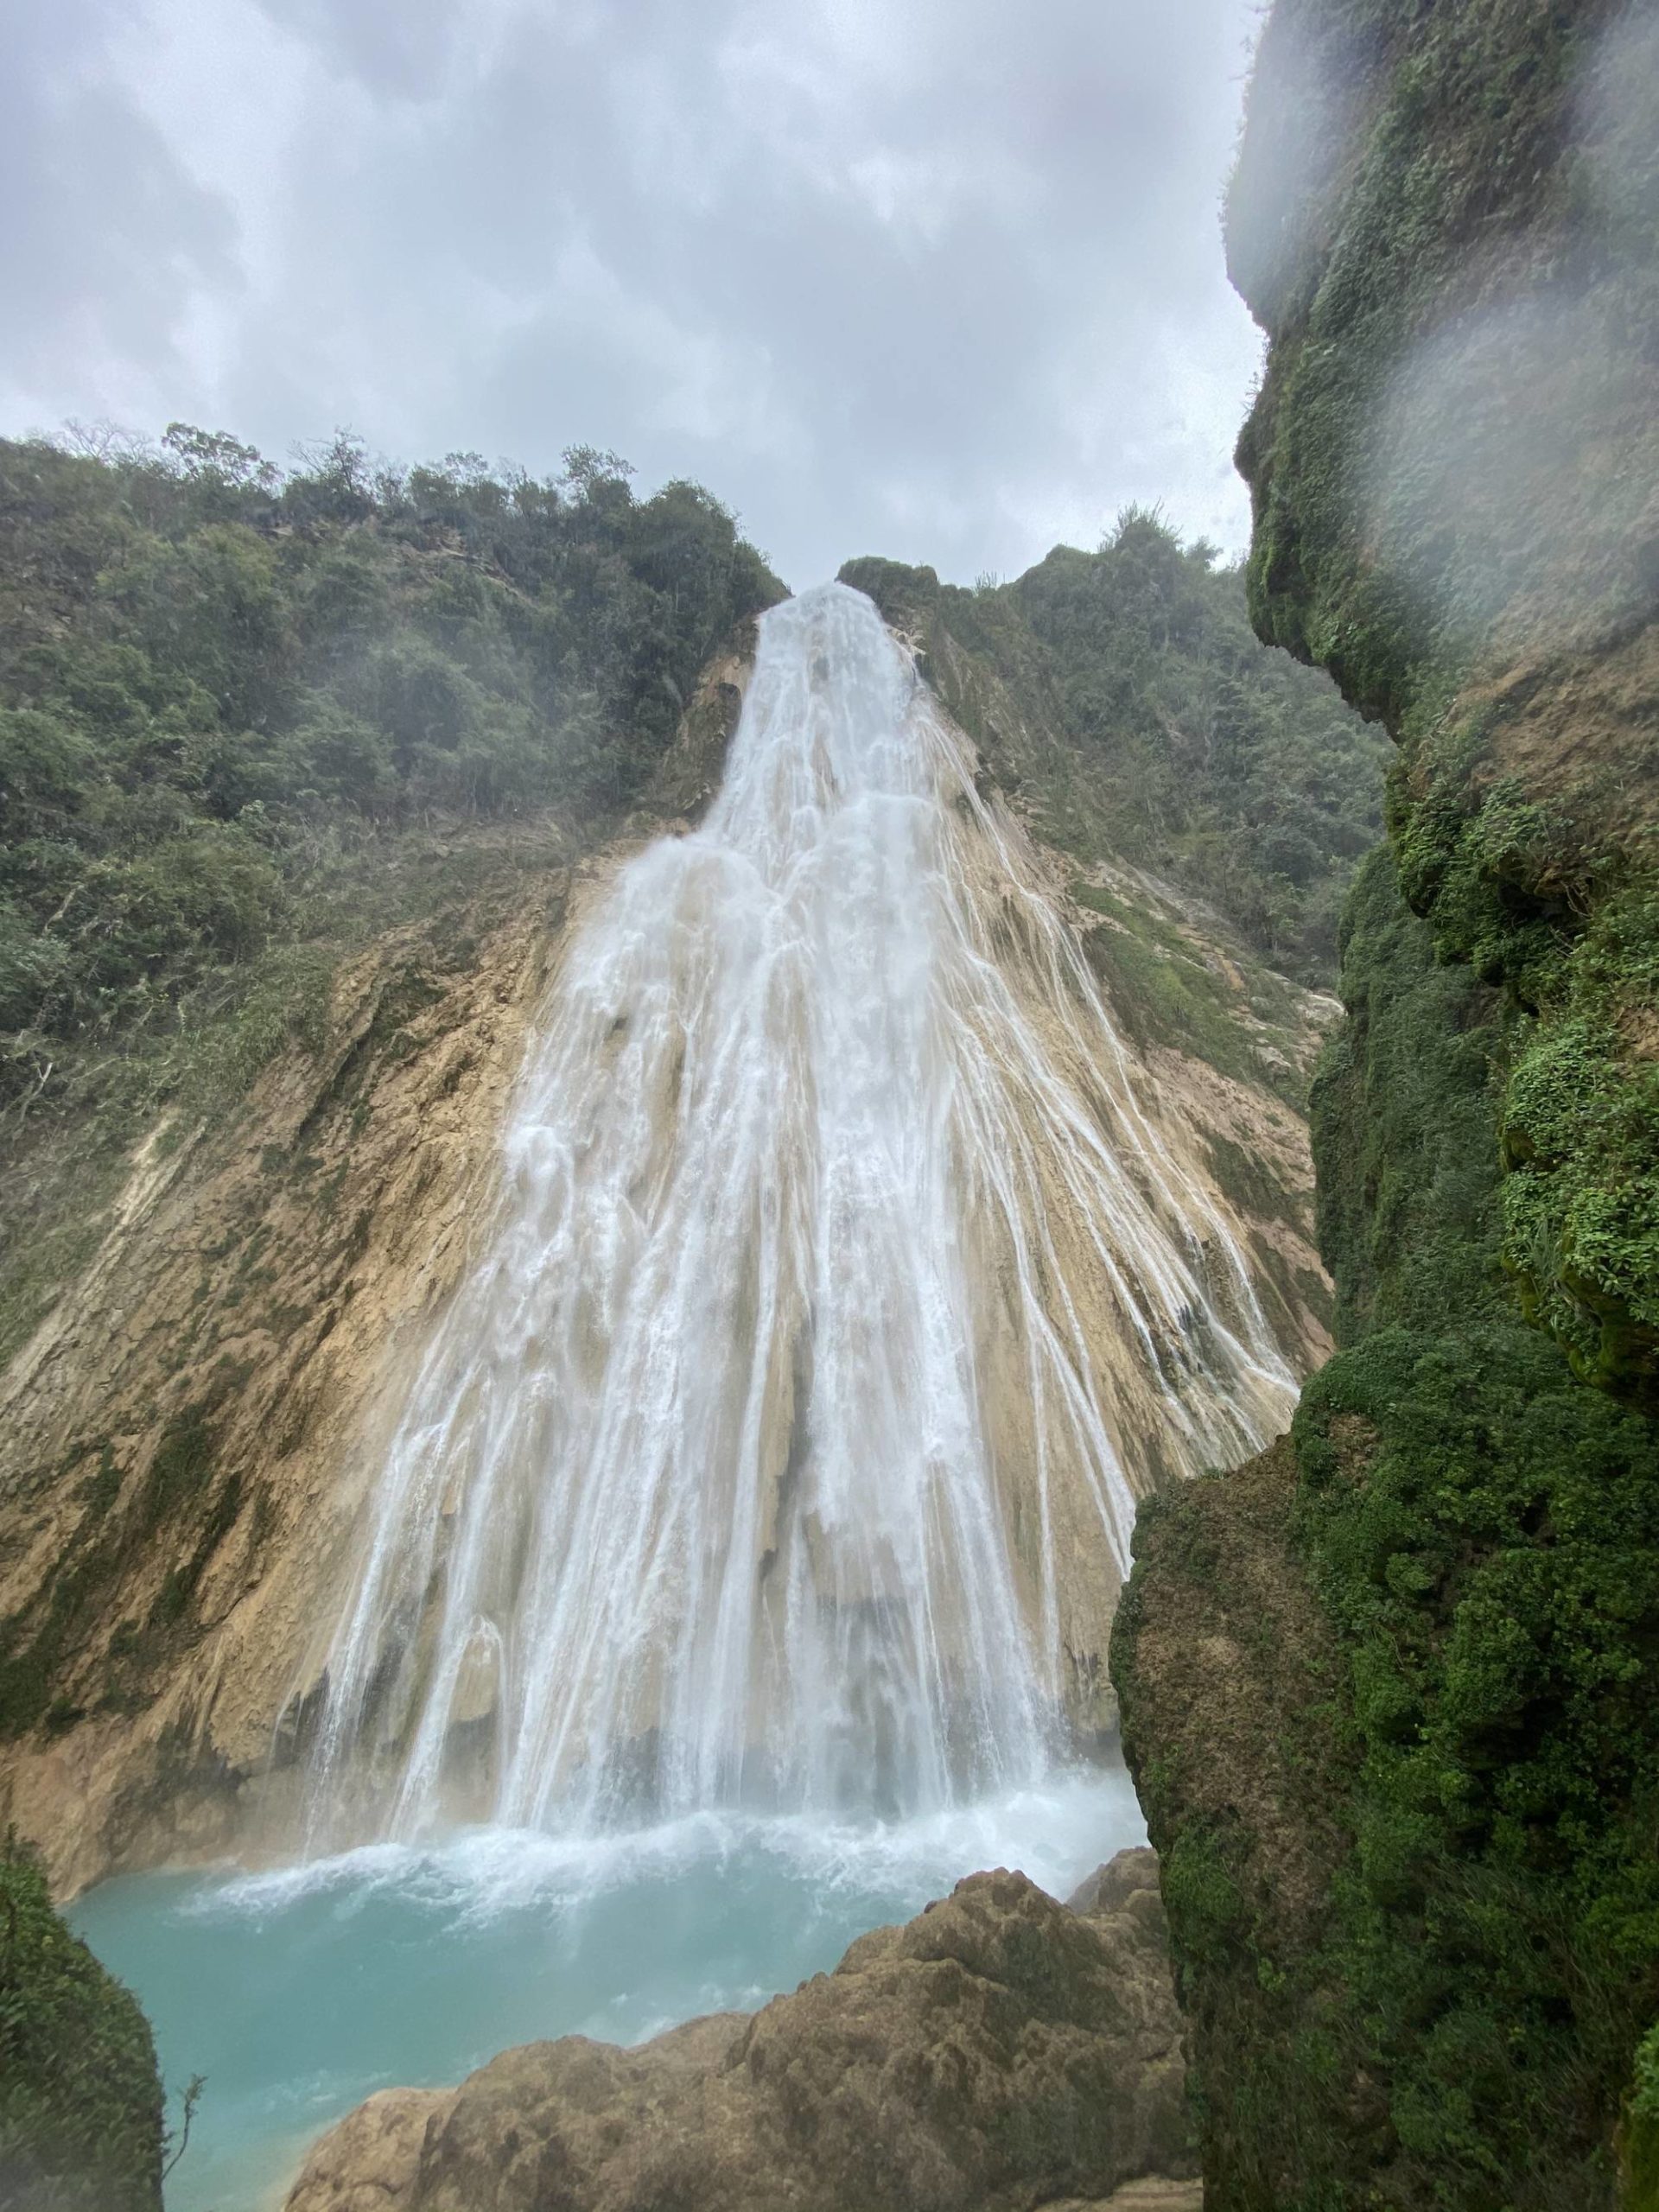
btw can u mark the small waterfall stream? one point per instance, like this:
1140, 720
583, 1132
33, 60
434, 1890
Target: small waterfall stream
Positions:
782, 1446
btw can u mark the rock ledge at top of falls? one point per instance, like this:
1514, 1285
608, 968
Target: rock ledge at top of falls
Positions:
998, 2053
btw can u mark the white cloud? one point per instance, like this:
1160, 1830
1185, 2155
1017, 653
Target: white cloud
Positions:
940, 278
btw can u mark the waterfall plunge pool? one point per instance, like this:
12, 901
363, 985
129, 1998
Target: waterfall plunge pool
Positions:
297, 1992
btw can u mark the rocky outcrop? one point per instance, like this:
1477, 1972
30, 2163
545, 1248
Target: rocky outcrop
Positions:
1405, 1811
1228, 1674
998, 2053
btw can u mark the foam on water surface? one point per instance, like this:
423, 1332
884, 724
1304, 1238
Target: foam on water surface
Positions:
298, 1992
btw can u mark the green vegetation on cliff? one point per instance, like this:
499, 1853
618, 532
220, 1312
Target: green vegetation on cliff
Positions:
1122, 696
1443, 2012
1448, 217
80, 2101
1445, 215
247, 720
1402, 1112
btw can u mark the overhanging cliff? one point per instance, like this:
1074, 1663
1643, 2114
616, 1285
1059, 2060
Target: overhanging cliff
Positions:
1444, 217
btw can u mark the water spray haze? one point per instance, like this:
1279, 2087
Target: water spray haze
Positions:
1508, 482
782, 1448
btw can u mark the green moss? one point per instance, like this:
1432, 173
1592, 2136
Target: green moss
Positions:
179, 1469
1200, 1893
185, 1497
1493, 1571
1580, 1138
1163, 994
1402, 1107
80, 2101
1238, 1796
1256, 1191
1642, 2130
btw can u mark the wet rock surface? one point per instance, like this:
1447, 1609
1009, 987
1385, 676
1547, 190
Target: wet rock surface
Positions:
998, 2053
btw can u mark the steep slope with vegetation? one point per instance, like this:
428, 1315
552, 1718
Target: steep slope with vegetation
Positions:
1122, 697
249, 722
1408, 1797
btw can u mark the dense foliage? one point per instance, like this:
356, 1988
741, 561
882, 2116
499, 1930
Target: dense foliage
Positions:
1189, 749
209, 675
246, 720
1483, 1532
1493, 1573
80, 2101
1402, 1109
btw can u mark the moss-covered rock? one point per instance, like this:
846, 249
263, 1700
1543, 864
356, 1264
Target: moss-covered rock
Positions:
1445, 217
80, 2101
1387, 1697
1230, 1682
1402, 1108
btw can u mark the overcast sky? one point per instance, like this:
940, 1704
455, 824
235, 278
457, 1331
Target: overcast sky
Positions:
940, 279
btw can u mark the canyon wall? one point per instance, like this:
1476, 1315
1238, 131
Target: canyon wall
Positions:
1387, 1693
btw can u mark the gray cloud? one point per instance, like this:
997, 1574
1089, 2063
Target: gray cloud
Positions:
940, 278
106, 237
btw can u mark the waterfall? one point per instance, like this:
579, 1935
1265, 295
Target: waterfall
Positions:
782, 1445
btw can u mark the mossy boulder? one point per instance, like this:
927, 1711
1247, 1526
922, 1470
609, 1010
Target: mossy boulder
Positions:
81, 2126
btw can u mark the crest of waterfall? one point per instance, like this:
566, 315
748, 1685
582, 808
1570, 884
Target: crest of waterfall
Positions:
782, 1445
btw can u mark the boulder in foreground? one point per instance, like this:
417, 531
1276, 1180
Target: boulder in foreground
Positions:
998, 2053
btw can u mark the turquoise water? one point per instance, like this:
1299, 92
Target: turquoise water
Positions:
297, 1992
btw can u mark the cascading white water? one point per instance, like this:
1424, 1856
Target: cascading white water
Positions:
781, 1446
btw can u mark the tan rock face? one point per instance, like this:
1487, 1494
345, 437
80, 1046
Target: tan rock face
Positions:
185, 1439
998, 2053
186, 1445
373, 2156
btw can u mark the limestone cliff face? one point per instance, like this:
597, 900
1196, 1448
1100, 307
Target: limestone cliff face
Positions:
179, 1431
1405, 1810
189, 1435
